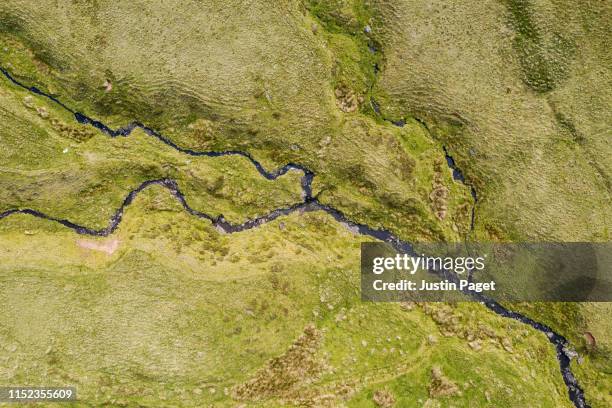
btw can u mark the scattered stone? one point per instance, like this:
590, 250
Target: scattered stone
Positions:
569, 352
65, 150
475, 345
108, 86
314, 27
364, 343
431, 339
28, 101
281, 226
42, 112
384, 399
367, 29
507, 345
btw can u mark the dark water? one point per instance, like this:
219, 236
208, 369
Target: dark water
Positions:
309, 203
450, 161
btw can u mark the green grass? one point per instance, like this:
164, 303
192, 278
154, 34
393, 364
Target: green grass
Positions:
85, 179
528, 166
574, 320
179, 310
235, 83
517, 92
545, 61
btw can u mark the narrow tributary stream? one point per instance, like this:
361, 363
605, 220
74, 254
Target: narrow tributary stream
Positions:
309, 203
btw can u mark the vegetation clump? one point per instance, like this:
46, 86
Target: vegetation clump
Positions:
384, 399
298, 366
545, 56
441, 386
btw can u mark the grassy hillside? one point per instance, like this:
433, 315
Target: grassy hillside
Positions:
519, 93
517, 90
271, 80
169, 311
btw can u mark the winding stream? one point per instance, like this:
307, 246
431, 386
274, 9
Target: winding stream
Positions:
309, 203
450, 161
